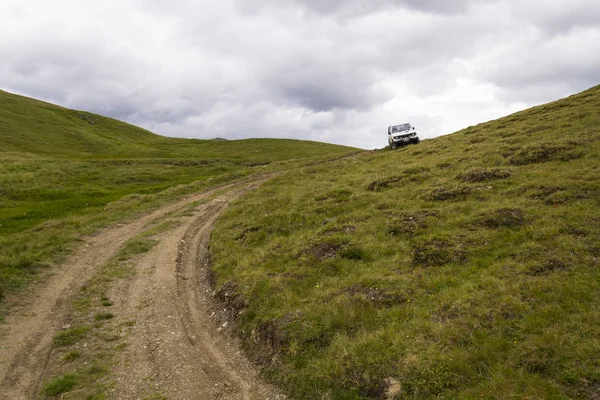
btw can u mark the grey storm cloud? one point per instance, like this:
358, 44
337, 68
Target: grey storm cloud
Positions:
345, 8
558, 18
332, 70
319, 87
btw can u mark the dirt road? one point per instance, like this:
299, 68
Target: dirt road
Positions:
176, 349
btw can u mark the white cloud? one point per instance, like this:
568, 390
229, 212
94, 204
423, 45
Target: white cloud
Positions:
328, 70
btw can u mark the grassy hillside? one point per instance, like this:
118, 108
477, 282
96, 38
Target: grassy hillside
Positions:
33, 126
464, 267
58, 164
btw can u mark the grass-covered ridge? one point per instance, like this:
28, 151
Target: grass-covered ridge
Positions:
464, 267
32, 126
64, 173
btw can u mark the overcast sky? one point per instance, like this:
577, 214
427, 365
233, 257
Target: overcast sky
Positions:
337, 71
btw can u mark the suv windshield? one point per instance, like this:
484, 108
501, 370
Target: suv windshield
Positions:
400, 128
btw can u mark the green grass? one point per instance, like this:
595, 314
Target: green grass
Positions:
106, 302
70, 336
464, 267
60, 385
135, 247
66, 173
103, 316
71, 356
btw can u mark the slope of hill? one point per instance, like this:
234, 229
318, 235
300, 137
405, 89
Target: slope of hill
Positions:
33, 126
57, 163
464, 267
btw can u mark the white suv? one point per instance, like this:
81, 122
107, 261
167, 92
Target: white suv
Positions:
403, 134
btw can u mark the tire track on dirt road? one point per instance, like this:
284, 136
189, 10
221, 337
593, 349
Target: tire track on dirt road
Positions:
176, 349
27, 334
